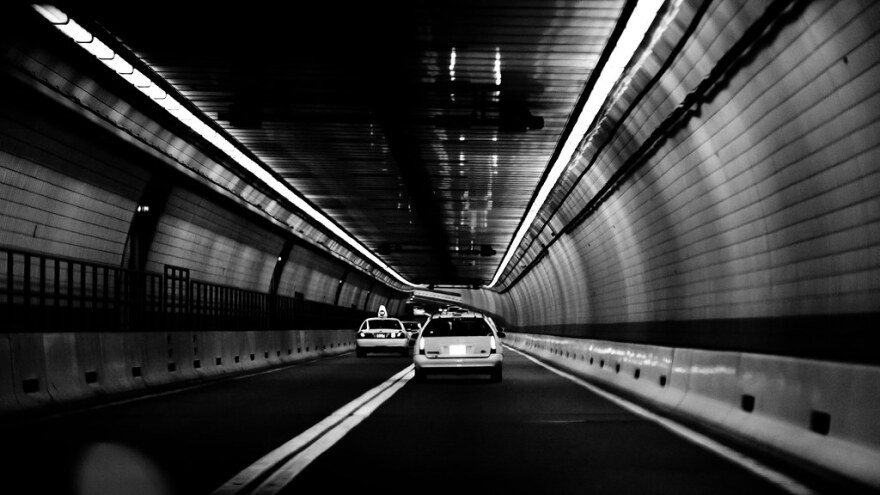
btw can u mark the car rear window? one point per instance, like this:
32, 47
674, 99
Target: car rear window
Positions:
457, 327
380, 324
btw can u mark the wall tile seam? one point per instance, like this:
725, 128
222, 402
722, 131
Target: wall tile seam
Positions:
784, 147
764, 276
111, 212
37, 199
715, 220
672, 240
631, 196
81, 246
793, 162
189, 234
67, 225
836, 230
181, 206
91, 167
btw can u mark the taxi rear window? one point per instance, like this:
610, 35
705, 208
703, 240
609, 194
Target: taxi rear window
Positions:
457, 327
379, 324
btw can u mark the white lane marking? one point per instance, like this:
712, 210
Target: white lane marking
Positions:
286, 473
325, 433
779, 479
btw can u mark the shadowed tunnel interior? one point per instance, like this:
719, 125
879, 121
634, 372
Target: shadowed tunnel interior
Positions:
190, 193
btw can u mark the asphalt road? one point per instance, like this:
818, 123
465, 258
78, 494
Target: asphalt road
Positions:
535, 432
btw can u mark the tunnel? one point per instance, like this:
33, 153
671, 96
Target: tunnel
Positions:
669, 211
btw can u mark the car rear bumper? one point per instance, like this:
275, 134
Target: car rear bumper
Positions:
376, 344
463, 364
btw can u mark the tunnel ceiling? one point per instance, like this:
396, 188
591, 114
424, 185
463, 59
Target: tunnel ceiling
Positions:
430, 162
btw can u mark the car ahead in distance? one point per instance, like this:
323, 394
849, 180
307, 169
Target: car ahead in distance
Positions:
381, 334
466, 342
412, 330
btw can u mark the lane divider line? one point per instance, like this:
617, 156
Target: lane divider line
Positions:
776, 477
333, 427
286, 473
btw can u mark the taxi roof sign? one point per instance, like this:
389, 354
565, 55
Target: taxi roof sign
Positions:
382, 311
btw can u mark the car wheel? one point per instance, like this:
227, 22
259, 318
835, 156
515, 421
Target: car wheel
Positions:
420, 375
360, 352
496, 375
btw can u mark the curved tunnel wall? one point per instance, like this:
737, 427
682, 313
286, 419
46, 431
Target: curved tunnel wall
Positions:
753, 223
70, 189
215, 244
728, 273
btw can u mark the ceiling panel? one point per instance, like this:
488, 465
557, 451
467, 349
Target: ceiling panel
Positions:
362, 110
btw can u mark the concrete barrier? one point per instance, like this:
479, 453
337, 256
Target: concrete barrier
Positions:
28, 365
206, 349
115, 374
158, 367
58, 370
232, 352
73, 366
88, 357
288, 346
8, 398
822, 415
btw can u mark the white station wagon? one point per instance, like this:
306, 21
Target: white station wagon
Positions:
458, 342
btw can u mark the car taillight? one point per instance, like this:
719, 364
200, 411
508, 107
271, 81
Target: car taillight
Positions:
492, 348
422, 347
363, 335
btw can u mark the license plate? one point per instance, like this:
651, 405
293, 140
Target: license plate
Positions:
380, 335
457, 350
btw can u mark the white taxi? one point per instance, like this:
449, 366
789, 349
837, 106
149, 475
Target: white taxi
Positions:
459, 342
381, 334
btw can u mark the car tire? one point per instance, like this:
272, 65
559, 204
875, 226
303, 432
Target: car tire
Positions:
420, 375
496, 375
360, 352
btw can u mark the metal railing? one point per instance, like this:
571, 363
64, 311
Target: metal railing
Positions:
41, 293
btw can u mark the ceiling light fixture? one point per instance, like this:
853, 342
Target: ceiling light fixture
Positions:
497, 69
125, 70
452, 64
637, 26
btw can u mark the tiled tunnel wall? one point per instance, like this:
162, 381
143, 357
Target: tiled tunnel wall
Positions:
758, 209
74, 195
215, 244
729, 273
72, 190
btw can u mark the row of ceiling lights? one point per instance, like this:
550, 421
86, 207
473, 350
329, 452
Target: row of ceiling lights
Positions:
638, 24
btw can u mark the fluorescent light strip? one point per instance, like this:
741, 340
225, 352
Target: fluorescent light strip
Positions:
125, 69
497, 68
637, 25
